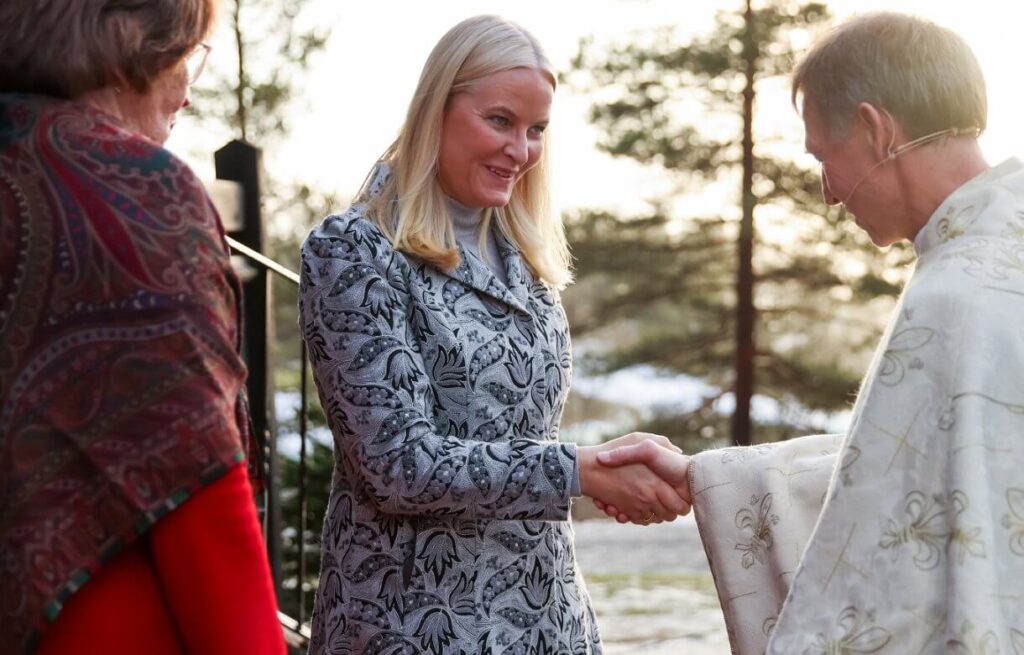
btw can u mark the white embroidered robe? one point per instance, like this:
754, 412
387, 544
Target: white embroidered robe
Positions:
911, 539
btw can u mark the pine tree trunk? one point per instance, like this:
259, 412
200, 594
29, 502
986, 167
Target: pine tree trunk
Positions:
745, 310
242, 112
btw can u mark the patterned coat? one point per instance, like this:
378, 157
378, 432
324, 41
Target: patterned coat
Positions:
447, 529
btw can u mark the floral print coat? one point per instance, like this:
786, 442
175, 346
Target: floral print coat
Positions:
447, 529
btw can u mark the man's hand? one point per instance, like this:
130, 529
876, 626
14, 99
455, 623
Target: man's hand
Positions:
634, 490
660, 457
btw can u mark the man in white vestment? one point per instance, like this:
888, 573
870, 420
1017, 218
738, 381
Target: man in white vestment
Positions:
906, 534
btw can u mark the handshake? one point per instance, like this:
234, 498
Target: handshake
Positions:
640, 478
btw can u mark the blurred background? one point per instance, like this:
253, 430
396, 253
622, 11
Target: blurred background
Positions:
717, 299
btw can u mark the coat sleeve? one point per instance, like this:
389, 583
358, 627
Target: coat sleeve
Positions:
355, 309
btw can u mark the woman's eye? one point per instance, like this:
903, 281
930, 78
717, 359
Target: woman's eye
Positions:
538, 129
500, 121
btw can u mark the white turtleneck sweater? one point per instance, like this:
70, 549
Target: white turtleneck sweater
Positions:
466, 221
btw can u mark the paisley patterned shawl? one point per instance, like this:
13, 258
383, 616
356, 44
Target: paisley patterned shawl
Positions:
120, 379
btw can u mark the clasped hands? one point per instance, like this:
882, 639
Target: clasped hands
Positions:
640, 478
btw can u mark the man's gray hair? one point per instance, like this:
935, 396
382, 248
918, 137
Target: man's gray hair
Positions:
923, 74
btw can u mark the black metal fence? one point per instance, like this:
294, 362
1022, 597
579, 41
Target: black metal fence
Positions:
238, 196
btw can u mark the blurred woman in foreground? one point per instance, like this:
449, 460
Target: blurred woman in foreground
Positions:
126, 516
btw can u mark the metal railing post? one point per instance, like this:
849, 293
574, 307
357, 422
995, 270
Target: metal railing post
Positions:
242, 162
302, 485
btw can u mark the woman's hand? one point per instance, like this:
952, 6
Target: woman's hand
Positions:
659, 456
634, 490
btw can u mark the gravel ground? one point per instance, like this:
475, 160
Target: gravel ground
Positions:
651, 588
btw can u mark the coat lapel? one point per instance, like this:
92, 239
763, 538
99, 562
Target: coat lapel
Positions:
519, 277
475, 274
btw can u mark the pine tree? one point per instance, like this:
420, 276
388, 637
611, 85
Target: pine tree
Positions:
251, 96
273, 49
695, 292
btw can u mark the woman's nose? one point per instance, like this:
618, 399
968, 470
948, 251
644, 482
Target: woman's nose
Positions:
516, 148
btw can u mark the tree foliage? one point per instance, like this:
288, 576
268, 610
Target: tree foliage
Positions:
252, 90
820, 286
250, 93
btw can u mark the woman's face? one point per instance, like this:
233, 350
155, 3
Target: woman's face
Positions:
492, 134
153, 113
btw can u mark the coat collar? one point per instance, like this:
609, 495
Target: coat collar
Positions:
475, 274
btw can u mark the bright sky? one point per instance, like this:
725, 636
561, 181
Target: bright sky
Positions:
356, 96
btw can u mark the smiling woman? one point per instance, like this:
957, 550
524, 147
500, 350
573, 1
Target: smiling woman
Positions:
493, 133
466, 82
441, 353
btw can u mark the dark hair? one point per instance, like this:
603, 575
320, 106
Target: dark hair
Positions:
66, 49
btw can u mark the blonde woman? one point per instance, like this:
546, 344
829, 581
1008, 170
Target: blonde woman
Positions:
441, 354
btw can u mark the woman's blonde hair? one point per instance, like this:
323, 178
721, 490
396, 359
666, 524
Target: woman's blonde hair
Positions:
66, 49
410, 207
